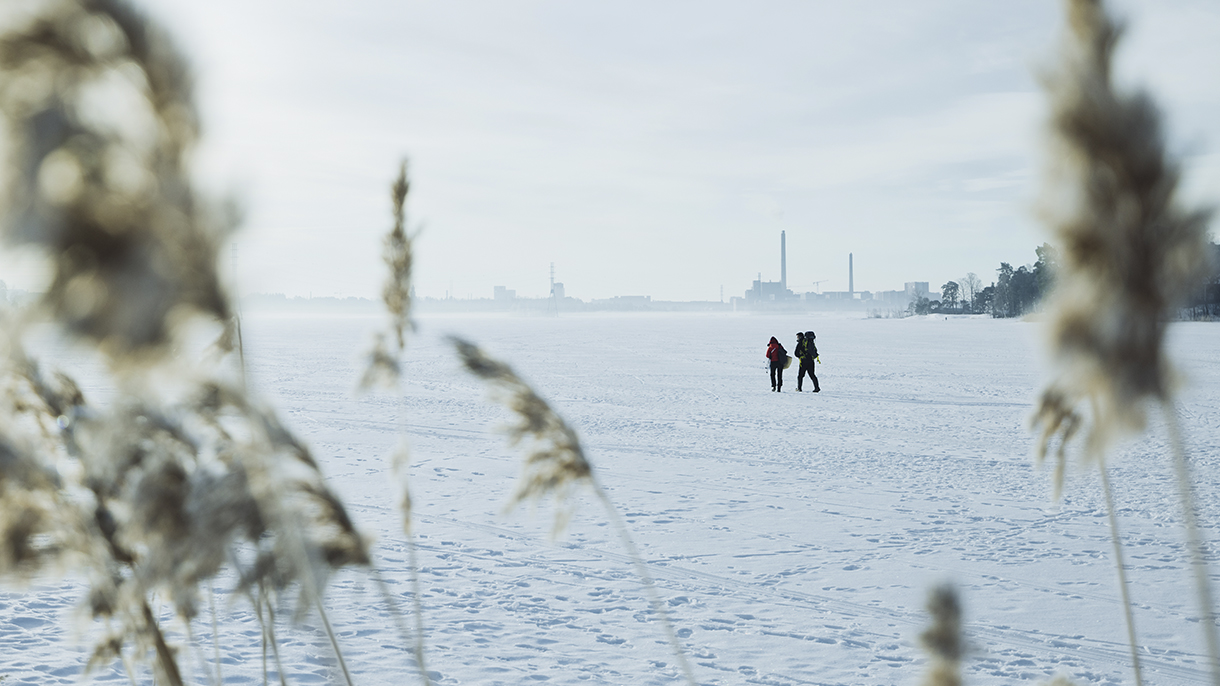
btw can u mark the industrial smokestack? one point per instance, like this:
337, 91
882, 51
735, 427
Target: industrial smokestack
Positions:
851, 277
783, 260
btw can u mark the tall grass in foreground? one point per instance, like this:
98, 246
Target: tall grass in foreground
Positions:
184, 474
943, 640
384, 370
1130, 255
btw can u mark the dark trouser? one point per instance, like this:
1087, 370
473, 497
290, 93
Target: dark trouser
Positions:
807, 368
777, 375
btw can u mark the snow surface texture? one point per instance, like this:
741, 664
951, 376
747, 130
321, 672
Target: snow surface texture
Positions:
792, 536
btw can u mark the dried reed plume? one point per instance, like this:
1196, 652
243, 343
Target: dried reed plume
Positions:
384, 370
555, 465
943, 640
39, 526
101, 121
183, 474
385, 363
1130, 254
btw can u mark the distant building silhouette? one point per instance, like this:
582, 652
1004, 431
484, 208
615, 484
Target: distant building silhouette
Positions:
773, 291
916, 290
768, 291
767, 295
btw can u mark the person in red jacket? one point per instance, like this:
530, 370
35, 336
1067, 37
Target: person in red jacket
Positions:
778, 357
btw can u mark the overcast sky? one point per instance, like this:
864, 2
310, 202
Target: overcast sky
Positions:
653, 148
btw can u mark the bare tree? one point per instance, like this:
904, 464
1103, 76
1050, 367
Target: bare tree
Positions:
970, 285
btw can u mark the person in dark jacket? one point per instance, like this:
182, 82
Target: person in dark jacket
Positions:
807, 352
778, 357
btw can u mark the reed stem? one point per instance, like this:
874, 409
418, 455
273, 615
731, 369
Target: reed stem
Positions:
334, 641
1194, 542
1121, 566
641, 571
270, 627
417, 607
403, 631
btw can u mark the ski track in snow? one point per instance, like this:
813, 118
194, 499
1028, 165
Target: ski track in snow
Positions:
793, 537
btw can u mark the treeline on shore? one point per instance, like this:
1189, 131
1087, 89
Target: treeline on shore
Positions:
1017, 292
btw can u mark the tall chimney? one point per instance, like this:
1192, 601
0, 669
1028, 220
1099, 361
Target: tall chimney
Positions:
851, 277
783, 261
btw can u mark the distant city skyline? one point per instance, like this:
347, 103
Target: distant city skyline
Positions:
650, 149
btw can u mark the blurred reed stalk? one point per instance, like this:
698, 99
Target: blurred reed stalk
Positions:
943, 640
1130, 256
384, 370
555, 465
154, 494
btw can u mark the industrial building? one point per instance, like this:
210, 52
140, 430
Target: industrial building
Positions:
776, 295
773, 291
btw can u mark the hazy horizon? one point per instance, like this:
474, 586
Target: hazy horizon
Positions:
650, 149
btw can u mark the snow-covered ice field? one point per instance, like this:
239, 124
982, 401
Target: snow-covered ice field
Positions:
792, 536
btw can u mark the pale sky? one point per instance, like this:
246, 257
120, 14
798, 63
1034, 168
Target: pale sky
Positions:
653, 148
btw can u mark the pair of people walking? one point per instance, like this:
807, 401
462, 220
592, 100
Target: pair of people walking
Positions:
806, 351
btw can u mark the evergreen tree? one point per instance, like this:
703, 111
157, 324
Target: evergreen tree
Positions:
1003, 305
949, 294
984, 301
1044, 269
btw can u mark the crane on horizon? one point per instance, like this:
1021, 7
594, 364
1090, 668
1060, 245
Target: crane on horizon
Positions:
815, 284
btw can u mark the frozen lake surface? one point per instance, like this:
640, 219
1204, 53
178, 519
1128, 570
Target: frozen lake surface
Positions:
793, 537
